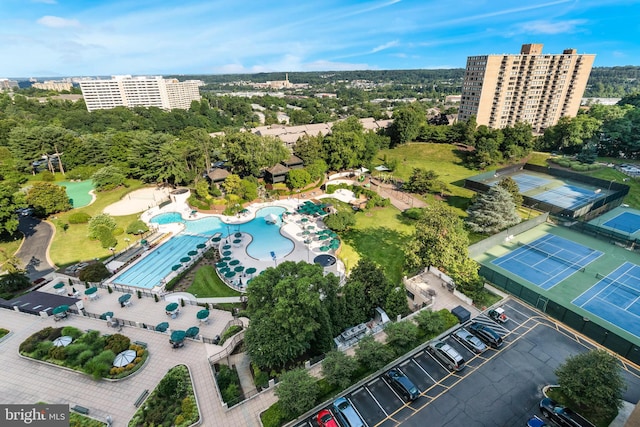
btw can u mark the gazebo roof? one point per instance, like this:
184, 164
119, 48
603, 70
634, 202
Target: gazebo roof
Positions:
217, 174
278, 169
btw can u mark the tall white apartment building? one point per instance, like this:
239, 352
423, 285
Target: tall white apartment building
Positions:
139, 91
532, 87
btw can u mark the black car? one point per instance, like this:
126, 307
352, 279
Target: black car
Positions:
486, 334
560, 415
402, 384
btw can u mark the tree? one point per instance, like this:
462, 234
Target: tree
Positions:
340, 221
406, 124
338, 368
421, 181
296, 392
401, 336
47, 198
94, 272
366, 288
373, 354
298, 178
570, 133
11, 283
492, 212
137, 227
8, 205
593, 381
512, 187
440, 240
250, 153
430, 322
292, 308
101, 220
108, 178
345, 147
396, 303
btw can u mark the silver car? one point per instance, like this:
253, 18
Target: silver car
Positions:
470, 340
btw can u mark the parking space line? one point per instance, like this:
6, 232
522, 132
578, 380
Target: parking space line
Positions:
358, 412
391, 388
376, 400
423, 370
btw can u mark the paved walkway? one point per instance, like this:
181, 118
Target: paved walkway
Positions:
399, 199
26, 381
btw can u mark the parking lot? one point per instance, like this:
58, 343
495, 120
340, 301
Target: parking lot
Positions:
497, 387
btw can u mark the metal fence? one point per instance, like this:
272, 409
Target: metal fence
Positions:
485, 244
597, 333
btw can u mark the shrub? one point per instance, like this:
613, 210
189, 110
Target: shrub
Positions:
71, 331
137, 227
118, 231
46, 176
108, 178
79, 218
101, 220
57, 353
73, 351
84, 357
42, 349
117, 343
105, 236
81, 172
274, 416
94, 272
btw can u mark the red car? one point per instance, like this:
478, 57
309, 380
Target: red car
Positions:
325, 419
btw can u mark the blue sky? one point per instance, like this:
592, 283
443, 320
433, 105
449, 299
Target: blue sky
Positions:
100, 37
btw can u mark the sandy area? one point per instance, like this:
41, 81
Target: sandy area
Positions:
138, 201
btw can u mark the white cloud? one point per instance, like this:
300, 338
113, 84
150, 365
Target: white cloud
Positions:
385, 46
549, 27
45, 1
57, 22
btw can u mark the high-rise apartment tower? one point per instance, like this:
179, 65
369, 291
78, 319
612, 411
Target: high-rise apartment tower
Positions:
532, 87
140, 91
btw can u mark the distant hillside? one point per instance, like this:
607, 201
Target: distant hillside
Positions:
603, 82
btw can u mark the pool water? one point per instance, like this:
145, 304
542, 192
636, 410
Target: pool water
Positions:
266, 238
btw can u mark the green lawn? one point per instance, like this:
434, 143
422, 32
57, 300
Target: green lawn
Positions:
73, 245
633, 198
207, 284
9, 246
379, 234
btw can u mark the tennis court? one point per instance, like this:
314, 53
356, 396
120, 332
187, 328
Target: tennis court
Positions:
626, 222
616, 298
528, 182
568, 196
548, 260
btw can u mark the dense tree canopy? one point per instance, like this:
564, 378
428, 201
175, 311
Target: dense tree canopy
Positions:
492, 211
47, 198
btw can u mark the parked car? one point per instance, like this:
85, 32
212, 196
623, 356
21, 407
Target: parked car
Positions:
346, 413
536, 421
560, 415
325, 419
470, 340
498, 315
402, 384
486, 334
446, 354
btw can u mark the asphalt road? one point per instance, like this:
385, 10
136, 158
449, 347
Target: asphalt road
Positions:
33, 253
497, 388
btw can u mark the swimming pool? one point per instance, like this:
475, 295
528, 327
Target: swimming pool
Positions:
157, 265
266, 237
150, 271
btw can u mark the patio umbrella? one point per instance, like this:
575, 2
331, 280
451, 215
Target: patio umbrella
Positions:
238, 268
124, 298
323, 237
58, 285
106, 314
216, 239
234, 262
244, 211
162, 327
226, 253
194, 212
250, 270
306, 232
171, 306
225, 270
143, 242
201, 246
176, 267
238, 234
60, 309
237, 241
192, 332
221, 264
271, 218
192, 253
91, 291
324, 248
124, 358
185, 259
62, 341
305, 220
178, 336
226, 247
229, 274
202, 314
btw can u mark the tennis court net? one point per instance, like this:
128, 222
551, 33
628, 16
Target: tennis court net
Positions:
573, 265
633, 292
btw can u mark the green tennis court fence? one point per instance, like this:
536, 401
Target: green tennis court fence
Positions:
589, 328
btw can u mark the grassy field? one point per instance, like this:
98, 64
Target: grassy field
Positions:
609, 174
73, 245
9, 247
207, 284
379, 234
